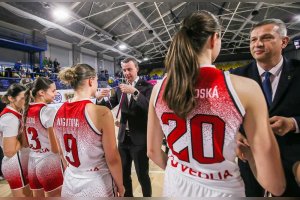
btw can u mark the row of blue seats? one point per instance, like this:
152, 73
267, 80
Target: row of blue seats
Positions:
6, 82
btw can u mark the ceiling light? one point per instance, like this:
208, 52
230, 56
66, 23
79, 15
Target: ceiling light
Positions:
122, 47
61, 14
145, 59
297, 17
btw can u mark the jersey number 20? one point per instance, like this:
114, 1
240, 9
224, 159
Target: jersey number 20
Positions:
197, 140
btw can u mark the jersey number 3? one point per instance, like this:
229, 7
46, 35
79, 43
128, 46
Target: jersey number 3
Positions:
71, 147
216, 135
32, 131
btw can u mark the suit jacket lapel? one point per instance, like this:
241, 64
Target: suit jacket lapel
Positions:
253, 74
284, 81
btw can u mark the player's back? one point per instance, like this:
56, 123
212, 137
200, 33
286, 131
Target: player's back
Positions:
202, 146
36, 129
80, 140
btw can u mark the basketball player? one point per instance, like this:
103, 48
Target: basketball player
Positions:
199, 109
87, 136
15, 161
45, 171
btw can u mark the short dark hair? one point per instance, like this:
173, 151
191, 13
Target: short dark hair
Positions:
127, 60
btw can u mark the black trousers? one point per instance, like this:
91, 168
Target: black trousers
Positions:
138, 154
253, 188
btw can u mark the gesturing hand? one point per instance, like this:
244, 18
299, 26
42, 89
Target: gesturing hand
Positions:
127, 89
282, 125
243, 149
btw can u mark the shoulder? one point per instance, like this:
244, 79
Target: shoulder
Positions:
293, 63
8, 116
9, 119
243, 81
98, 110
247, 89
243, 69
144, 83
48, 111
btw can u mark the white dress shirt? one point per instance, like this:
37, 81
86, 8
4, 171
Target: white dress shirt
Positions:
274, 78
133, 85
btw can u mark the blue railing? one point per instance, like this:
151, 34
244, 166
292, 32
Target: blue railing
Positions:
6, 82
16, 38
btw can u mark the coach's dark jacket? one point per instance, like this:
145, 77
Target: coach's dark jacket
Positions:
135, 112
286, 103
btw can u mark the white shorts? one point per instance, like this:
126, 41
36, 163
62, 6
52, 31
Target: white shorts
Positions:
98, 186
15, 169
45, 172
178, 185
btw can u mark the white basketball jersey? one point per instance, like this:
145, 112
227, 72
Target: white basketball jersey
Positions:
202, 146
80, 141
39, 118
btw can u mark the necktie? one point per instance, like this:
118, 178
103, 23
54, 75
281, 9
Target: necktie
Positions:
267, 87
129, 95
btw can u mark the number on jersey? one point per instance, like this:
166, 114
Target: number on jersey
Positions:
34, 142
197, 140
71, 147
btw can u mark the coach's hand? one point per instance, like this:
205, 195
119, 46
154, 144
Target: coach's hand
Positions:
282, 125
117, 123
127, 89
242, 147
103, 92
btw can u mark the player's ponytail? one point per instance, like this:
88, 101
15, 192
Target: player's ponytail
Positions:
182, 61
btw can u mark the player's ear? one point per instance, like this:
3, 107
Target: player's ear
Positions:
90, 82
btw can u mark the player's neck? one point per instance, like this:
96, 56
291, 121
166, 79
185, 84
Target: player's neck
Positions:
15, 107
39, 100
81, 95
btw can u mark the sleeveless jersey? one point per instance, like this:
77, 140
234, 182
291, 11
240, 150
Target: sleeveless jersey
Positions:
10, 111
202, 146
80, 141
14, 169
36, 129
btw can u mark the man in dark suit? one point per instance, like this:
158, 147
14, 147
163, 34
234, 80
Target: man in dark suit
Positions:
279, 79
133, 98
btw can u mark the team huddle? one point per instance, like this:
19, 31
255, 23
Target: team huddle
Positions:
72, 150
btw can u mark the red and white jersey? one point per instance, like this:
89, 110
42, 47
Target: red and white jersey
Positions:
15, 169
80, 140
202, 146
10, 123
39, 118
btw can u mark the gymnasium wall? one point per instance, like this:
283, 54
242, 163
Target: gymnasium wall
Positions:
10, 56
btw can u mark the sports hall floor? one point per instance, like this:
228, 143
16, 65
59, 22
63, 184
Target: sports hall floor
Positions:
156, 176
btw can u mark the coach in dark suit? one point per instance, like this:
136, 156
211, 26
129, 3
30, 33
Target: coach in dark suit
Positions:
279, 79
134, 102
